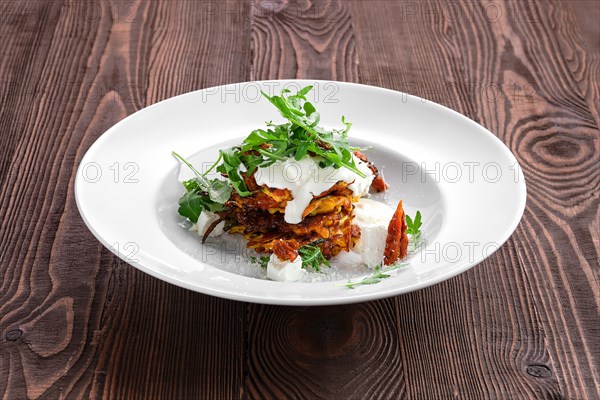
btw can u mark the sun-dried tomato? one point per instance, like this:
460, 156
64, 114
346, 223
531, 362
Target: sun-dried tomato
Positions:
396, 243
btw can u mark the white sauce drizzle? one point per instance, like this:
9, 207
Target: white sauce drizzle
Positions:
305, 179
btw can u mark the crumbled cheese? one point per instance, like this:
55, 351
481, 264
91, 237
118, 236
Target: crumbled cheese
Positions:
284, 271
204, 221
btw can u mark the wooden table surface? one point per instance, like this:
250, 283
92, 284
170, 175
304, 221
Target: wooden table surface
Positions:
76, 322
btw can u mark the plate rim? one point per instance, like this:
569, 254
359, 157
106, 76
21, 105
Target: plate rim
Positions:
305, 301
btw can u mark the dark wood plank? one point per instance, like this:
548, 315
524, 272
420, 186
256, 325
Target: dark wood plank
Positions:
303, 39
578, 35
342, 352
561, 233
26, 41
523, 322
75, 321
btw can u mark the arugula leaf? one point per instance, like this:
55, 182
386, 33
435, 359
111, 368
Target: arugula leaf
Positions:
309, 109
304, 115
256, 138
190, 206
377, 276
231, 167
312, 257
219, 191
413, 228
202, 193
304, 91
301, 151
310, 254
191, 185
298, 137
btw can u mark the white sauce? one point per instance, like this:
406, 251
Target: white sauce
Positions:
284, 271
373, 218
305, 179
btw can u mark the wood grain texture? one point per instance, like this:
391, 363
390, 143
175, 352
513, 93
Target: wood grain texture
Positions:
578, 35
303, 39
76, 322
539, 112
324, 352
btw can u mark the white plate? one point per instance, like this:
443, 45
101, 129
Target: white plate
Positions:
467, 184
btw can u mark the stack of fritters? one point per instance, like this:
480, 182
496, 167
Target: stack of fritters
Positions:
327, 221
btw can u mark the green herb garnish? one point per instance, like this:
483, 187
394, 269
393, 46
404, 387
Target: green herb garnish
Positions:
413, 228
298, 137
375, 277
202, 194
312, 257
306, 136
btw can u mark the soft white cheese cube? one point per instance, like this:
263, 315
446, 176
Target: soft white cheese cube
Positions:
204, 221
371, 244
373, 219
284, 271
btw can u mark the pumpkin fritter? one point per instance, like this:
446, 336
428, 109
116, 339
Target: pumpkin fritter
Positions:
326, 221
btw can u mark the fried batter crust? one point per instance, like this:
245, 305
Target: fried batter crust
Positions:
327, 219
262, 229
